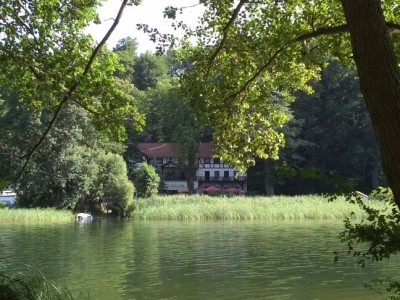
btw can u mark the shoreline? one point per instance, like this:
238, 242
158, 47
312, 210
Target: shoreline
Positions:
203, 207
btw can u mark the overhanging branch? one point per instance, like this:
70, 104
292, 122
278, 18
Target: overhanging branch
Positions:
70, 91
392, 27
302, 37
226, 29
261, 70
321, 31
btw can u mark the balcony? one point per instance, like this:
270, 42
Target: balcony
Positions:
219, 179
172, 177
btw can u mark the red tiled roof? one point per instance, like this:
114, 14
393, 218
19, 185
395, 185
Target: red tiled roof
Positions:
156, 149
166, 149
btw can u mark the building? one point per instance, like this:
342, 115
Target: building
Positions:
211, 173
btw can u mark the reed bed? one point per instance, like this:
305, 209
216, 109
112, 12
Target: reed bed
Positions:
200, 207
35, 215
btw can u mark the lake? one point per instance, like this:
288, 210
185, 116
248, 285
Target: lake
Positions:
112, 259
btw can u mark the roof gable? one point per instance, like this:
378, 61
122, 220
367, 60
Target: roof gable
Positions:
156, 149
167, 149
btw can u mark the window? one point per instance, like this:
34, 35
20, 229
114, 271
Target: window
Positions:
171, 174
207, 175
159, 160
207, 160
216, 174
226, 174
217, 161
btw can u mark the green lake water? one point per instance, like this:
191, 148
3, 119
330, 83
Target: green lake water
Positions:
110, 259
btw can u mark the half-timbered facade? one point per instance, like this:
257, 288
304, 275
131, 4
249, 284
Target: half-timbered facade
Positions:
211, 171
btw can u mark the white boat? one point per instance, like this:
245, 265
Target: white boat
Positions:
83, 217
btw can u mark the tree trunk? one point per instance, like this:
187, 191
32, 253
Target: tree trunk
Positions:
374, 175
190, 183
269, 189
379, 79
190, 173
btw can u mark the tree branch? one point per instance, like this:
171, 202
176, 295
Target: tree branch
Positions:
80, 104
321, 31
70, 91
190, 6
256, 74
105, 38
393, 28
308, 35
225, 30
305, 36
27, 12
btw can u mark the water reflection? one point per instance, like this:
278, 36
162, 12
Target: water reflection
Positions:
192, 260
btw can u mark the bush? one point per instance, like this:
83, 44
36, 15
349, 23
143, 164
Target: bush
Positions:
377, 236
146, 180
121, 195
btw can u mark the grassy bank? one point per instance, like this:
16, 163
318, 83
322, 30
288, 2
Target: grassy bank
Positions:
245, 208
200, 207
35, 215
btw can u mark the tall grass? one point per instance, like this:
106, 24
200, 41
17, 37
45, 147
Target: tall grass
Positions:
30, 285
196, 207
35, 215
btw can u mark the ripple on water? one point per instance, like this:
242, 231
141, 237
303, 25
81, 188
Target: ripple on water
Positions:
193, 260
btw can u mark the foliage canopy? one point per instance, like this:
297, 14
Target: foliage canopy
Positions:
146, 180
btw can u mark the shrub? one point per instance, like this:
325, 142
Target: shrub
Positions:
121, 195
146, 180
117, 188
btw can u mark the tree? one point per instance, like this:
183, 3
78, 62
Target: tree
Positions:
168, 118
49, 62
186, 142
146, 180
173, 121
117, 188
76, 168
149, 68
265, 46
126, 51
331, 134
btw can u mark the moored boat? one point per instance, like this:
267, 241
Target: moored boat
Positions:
84, 217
